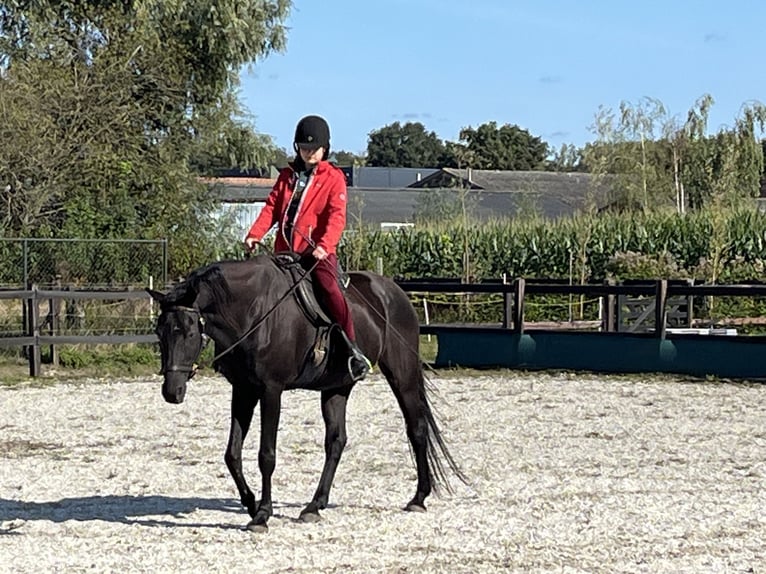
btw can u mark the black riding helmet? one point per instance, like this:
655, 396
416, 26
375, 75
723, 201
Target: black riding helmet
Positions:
312, 132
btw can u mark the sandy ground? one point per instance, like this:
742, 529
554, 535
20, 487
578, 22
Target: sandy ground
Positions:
568, 474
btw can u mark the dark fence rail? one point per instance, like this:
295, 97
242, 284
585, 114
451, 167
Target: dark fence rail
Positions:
612, 296
514, 295
34, 338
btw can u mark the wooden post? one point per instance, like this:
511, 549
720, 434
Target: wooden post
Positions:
610, 316
34, 331
54, 311
518, 305
660, 308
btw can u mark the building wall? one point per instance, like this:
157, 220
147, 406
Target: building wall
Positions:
242, 214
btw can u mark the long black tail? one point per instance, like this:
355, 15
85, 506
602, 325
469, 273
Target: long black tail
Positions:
438, 453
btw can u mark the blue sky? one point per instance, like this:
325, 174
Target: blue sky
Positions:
545, 65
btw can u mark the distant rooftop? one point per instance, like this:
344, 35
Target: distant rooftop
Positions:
385, 177
491, 194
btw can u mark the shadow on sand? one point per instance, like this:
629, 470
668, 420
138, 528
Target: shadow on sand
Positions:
143, 510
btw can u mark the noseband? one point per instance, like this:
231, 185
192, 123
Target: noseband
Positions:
191, 369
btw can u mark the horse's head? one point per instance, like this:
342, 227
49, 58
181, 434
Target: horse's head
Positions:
181, 333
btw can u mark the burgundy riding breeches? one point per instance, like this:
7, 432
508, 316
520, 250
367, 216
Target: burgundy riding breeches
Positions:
326, 285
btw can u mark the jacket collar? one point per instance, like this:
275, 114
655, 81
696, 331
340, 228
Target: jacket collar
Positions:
320, 168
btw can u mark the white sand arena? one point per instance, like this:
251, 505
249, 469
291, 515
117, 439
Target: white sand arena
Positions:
569, 474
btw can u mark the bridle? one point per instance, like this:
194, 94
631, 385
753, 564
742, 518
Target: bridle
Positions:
194, 367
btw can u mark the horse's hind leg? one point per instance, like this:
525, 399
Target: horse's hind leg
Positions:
243, 401
334, 414
409, 388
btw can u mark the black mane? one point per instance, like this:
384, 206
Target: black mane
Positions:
213, 280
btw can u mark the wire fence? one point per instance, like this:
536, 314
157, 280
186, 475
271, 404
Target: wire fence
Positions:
82, 263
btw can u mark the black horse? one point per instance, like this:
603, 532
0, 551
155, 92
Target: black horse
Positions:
265, 344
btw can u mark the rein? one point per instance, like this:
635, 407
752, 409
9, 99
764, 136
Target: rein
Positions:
194, 368
260, 321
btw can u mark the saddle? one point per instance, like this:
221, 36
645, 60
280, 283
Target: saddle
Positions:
329, 335
292, 264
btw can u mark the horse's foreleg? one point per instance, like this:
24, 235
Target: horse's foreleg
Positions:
334, 415
271, 403
243, 401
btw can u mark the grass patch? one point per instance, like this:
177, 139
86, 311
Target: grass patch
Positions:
96, 361
429, 345
81, 361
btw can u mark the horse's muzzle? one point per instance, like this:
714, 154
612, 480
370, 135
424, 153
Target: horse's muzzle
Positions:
174, 387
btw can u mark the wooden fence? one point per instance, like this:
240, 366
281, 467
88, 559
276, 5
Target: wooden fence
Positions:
619, 302
34, 337
664, 295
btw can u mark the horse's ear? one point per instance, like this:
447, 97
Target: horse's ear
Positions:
156, 295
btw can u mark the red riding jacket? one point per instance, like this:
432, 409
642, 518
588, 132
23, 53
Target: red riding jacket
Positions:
321, 216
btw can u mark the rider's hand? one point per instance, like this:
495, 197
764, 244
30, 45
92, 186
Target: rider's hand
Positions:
250, 243
319, 253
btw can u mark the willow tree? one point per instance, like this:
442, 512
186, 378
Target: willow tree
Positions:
626, 152
653, 160
107, 107
683, 140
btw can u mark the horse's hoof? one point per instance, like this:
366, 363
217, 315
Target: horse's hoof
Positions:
412, 507
309, 517
258, 527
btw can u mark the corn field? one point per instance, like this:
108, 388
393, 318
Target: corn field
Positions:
712, 247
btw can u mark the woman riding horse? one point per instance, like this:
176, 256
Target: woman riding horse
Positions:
308, 203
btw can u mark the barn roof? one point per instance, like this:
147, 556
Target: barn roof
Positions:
493, 194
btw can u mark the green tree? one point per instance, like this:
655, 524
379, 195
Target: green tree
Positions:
507, 147
110, 108
279, 157
653, 160
347, 158
408, 145
568, 158
640, 125
230, 142
683, 140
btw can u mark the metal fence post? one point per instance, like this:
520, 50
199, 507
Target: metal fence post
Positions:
507, 305
518, 305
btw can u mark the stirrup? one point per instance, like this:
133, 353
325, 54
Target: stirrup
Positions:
359, 366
